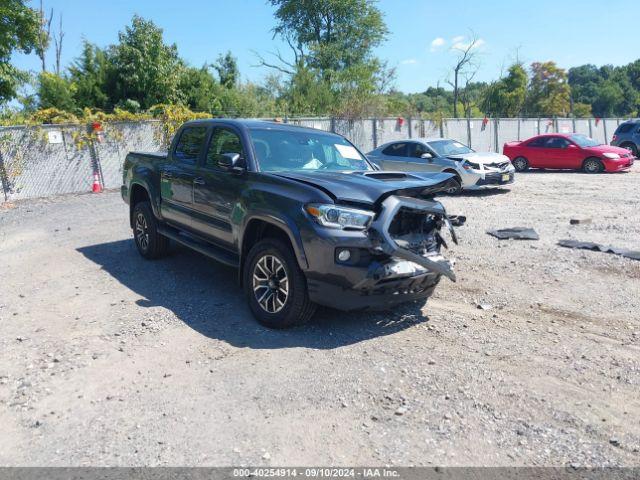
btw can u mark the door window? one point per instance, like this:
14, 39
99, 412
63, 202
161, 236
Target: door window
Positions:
538, 142
557, 142
397, 150
222, 141
190, 143
419, 150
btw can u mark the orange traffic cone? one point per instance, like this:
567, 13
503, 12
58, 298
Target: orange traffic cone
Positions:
97, 188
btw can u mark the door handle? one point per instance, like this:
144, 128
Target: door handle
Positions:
199, 181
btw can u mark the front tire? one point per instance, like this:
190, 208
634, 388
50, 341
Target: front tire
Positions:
150, 243
275, 287
521, 164
456, 186
592, 165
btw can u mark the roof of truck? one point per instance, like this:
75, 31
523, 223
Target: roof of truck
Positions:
253, 123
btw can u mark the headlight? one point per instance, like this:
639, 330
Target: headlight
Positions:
467, 165
334, 216
612, 156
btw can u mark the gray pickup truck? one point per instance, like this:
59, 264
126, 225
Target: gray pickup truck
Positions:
300, 212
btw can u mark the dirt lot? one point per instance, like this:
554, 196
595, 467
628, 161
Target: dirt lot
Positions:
107, 359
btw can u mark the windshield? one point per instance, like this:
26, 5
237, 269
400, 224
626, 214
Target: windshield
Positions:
584, 141
445, 148
278, 150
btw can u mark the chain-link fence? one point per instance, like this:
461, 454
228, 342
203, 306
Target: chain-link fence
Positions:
58, 159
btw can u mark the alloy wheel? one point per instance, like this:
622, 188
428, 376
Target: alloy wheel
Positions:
592, 166
142, 232
270, 284
520, 164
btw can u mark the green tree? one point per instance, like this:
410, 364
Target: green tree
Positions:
146, 69
55, 91
227, 68
332, 43
549, 92
19, 30
608, 96
506, 96
94, 77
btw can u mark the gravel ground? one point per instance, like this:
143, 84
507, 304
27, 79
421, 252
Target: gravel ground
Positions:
107, 359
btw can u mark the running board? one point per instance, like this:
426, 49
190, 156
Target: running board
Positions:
209, 250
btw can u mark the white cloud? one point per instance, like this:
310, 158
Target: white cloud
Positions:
409, 61
437, 43
461, 43
457, 39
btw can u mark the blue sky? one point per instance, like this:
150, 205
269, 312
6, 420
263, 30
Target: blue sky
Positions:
422, 32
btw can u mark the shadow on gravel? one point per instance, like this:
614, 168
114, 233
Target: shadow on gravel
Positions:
206, 296
488, 192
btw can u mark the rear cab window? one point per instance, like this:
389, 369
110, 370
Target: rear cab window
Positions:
190, 144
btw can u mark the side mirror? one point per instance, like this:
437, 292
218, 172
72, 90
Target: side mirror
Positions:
426, 156
231, 161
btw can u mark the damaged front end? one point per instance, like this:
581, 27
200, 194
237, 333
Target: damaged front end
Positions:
394, 257
407, 231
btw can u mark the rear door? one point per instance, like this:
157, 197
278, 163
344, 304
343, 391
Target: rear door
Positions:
176, 176
216, 190
394, 156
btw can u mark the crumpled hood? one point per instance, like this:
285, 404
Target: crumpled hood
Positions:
371, 187
486, 158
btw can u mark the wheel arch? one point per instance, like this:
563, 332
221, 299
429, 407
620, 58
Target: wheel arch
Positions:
259, 227
137, 193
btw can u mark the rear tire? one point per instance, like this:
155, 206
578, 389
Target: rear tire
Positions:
275, 287
632, 147
521, 164
592, 165
150, 243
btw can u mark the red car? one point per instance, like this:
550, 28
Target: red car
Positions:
569, 151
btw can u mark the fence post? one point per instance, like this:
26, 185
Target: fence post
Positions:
573, 121
604, 125
538, 125
469, 132
4, 178
519, 119
409, 126
496, 123
374, 126
441, 127
590, 128
332, 122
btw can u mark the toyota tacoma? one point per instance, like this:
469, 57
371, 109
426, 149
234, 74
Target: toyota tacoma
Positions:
302, 214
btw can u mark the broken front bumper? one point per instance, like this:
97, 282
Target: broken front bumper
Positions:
381, 273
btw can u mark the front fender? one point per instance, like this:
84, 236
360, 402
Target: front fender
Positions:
283, 222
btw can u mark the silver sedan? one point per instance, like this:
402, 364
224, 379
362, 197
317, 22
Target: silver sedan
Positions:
473, 170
